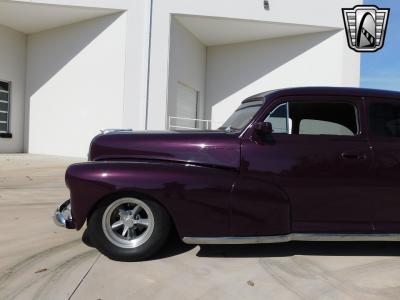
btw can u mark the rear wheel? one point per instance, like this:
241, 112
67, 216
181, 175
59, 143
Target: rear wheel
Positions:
129, 228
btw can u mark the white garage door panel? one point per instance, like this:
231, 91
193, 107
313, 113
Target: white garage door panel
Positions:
186, 105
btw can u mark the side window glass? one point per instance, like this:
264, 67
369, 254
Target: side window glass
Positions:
324, 118
279, 119
384, 119
315, 118
308, 126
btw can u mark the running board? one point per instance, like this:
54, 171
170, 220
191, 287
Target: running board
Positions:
323, 237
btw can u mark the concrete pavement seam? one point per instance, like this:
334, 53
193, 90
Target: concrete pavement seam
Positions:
84, 276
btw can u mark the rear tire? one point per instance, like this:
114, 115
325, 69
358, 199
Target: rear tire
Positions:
128, 228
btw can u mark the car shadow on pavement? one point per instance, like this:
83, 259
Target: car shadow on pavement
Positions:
302, 248
173, 247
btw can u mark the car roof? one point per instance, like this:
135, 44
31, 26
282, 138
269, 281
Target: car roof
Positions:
339, 91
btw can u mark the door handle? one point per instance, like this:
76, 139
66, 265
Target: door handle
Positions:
353, 156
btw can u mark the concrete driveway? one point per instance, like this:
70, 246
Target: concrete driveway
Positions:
41, 261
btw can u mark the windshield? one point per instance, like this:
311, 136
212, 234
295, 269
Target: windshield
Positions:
242, 116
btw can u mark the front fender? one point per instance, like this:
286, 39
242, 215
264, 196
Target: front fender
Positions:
196, 197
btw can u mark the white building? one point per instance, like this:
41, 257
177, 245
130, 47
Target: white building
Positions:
69, 68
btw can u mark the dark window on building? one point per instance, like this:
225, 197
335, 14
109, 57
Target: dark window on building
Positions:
266, 4
4, 107
312, 118
384, 119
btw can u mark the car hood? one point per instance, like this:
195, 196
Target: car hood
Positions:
213, 148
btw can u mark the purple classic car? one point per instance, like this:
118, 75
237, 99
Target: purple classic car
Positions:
292, 164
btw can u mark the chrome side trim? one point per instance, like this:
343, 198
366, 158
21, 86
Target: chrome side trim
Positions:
323, 237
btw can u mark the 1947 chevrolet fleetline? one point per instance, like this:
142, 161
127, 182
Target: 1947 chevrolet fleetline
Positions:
291, 164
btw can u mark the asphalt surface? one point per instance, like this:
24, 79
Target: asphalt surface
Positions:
41, 261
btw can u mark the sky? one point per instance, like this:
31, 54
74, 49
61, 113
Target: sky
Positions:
381, 69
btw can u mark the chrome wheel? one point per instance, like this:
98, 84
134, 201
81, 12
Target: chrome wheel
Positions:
128, 222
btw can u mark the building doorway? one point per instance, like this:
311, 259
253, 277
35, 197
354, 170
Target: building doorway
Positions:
187, 105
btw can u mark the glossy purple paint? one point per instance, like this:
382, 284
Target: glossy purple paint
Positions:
223, 184
212, 148
180, 188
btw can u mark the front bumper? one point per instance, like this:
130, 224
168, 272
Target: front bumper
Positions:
62, 216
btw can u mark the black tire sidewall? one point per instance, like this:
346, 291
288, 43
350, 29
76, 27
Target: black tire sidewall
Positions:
148, 249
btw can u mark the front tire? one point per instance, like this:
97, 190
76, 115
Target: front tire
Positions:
128, 228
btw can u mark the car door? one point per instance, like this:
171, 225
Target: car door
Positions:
311, 175
384, 131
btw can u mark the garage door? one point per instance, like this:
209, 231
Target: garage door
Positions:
186, 106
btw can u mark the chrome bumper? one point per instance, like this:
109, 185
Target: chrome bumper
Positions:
62, 216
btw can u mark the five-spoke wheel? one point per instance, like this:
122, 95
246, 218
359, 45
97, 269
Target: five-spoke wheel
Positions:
128, 222
131, 228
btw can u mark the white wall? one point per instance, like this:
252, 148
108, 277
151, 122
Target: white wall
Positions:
92, 75
75, 84
308, 12
237, 71
187, 65
136, 62
12, 68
